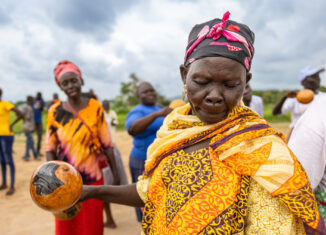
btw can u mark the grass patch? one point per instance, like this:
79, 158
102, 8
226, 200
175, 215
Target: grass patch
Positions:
268, 115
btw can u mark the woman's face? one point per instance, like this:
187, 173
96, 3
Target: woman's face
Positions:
70, 83
147, 94
214, 86
311, 82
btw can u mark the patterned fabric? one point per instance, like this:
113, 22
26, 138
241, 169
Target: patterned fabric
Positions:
208, 190
75, 143
221, 37
321, 200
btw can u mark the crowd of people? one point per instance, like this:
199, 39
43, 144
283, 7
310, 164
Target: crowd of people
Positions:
211, 166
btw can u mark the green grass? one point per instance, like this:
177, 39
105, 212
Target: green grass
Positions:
18, 128
122, 119
268, 115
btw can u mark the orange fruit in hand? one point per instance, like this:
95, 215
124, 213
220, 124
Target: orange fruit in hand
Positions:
176, 103
56, 186
305, 96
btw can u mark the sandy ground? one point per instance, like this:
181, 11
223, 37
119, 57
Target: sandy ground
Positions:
20, 216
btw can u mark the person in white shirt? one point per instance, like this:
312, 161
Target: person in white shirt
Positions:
111, 117
252, 101
309, 79
308, 143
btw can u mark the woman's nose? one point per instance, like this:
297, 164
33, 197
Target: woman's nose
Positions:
214, 96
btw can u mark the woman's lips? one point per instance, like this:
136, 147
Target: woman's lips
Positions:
210, 113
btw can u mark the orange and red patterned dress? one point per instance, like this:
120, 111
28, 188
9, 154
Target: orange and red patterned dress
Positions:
72, 142
245, 181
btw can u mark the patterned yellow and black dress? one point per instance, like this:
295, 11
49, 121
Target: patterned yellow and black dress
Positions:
246, 181
72, 142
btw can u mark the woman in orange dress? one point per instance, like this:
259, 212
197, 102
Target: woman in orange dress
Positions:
77, 133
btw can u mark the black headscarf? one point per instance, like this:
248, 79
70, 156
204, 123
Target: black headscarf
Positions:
225, 38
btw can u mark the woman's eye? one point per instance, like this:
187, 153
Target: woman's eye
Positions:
200, 81
229, 85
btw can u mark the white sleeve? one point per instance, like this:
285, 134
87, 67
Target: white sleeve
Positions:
260, 107
308, 144
288, 106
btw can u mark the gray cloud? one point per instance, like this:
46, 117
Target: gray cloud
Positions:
111, 39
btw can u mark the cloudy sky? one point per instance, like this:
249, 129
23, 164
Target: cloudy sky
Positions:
110, 39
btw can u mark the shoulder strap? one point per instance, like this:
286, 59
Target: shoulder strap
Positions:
80, 118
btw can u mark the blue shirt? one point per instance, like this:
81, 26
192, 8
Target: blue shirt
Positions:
38, 106
143, 140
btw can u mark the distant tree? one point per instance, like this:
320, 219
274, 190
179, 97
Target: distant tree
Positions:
128, 90
128, 97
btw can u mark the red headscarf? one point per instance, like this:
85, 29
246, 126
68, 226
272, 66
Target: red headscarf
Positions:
63, 67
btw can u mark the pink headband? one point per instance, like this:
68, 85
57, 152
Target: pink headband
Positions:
63, 67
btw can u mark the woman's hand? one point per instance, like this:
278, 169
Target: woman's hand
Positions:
163, 112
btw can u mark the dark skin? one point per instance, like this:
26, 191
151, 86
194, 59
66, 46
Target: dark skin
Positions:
70, 84
39, 97
247, 95
147, 96
311, 82
215, 85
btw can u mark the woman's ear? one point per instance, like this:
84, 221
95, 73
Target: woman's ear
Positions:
248, 77
183, 73
82, 81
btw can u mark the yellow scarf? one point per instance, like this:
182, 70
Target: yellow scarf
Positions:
179, 128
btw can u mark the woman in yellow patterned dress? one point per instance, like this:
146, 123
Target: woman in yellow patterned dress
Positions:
77, 133
216, 166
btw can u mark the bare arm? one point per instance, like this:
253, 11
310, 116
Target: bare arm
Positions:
277, 110
51, 156
124, 194
111, 160
140, 125
19, 115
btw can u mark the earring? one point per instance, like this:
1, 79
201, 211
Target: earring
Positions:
184, 93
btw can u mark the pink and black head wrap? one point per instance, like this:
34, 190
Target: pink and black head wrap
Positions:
225, 38
63, 67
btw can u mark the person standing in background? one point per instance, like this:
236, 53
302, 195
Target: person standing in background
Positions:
111, 117
309, 79
6, 142
252, 101
142, 123
29, 127
308, 143
77, 133
38, 106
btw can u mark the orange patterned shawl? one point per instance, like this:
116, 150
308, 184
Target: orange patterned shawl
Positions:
206, 192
